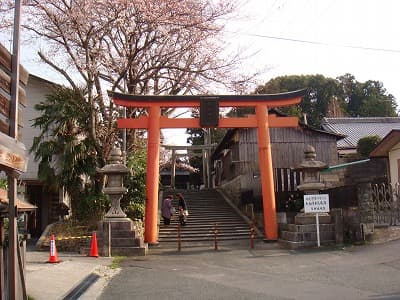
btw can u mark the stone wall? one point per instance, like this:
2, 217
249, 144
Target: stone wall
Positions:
234, 191
372, 171
357, 222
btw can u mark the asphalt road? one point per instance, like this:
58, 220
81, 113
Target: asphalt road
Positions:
358, 272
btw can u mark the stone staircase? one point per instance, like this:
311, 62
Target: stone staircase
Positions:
206, 208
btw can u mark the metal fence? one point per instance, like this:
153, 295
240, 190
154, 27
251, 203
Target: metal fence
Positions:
386, 204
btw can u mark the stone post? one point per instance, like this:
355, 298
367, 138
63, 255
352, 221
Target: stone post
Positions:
366, 208
337, 216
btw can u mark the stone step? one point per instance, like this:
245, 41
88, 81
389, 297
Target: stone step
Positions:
205, 209
205, 238
121, 234
209, 215
124, 225
206, 215
211, 222
204, 226
129, 251
306, 228
123, 242
304, 219
307, 236
200, 210
125, 238
207, 231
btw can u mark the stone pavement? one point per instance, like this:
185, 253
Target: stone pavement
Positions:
56, 280
266, 273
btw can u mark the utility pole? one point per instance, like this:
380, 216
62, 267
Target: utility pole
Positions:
12, 176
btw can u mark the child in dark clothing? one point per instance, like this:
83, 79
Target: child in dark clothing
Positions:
181, 201
183, 212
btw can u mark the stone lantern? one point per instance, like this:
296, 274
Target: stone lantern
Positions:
118, 235
303, 233
115, 172
310, 169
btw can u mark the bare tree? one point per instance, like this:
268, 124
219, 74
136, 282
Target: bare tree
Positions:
140, 47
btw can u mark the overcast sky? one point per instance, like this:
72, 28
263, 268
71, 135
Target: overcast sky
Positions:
328, 37
294, 37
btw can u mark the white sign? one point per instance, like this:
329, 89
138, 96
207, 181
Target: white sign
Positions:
316, 203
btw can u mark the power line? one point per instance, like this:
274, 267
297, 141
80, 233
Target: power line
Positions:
319, 43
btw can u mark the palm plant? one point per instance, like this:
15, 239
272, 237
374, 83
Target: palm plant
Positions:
64, 149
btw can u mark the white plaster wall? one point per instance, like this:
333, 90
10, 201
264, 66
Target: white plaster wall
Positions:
394, 155
36, 91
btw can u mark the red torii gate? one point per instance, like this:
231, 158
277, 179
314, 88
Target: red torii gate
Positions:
261, 120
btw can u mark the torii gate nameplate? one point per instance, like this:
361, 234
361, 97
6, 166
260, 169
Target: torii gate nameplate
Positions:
154, 122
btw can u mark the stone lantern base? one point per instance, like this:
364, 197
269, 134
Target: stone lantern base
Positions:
303, 233
121, 237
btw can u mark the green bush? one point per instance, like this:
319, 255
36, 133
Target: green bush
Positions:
366, 144
133, 203
92, 206
134, 210
3, 183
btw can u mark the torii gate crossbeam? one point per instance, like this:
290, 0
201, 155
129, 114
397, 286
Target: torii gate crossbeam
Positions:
154, 122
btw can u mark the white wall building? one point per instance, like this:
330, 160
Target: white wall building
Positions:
36, 192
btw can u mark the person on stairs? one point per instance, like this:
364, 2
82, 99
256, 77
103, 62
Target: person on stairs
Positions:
182, 208
167, 209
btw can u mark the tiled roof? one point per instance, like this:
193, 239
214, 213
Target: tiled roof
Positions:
21, 205
357, 128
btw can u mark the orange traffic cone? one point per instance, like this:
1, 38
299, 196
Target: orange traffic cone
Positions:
53, 251
93, 246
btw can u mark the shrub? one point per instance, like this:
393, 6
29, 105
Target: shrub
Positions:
133, 202
92, 207
366, 144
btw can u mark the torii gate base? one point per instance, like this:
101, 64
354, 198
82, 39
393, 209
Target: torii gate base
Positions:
154, 122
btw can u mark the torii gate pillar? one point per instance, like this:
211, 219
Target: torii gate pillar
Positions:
267, 182
153, 172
